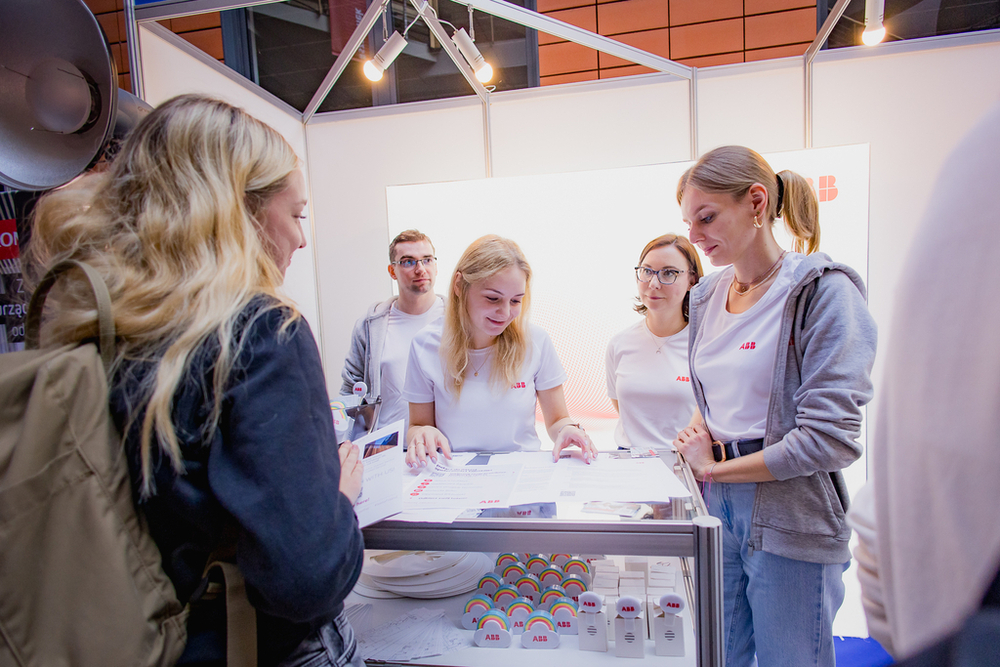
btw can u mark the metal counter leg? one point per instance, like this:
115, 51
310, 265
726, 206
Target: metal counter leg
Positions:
708, 590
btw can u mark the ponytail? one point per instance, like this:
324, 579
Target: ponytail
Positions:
800, 211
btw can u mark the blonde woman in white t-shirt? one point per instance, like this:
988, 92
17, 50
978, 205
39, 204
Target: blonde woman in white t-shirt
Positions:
472, 383
648, 375
781, 351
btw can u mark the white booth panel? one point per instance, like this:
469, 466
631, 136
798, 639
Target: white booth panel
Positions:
755, 104
912, 103
593, 125
353, 156
171, 67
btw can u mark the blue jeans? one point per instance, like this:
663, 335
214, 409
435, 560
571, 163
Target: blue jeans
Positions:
777, 608
333, 645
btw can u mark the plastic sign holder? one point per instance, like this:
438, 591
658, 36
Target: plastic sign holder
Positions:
630, 628
668, 626
592, 623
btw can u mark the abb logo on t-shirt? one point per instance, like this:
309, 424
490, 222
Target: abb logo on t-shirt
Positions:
682, 378
518, 385
751, 345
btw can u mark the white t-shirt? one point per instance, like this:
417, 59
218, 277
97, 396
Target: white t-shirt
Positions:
401, 329
483, 419
735, 356
649, 377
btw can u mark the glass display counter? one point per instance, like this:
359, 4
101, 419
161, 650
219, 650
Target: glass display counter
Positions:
681, 528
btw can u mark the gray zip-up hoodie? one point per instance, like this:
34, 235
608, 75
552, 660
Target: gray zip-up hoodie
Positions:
814, 414
364, 359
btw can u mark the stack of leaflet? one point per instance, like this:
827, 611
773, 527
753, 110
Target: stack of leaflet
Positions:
421, 574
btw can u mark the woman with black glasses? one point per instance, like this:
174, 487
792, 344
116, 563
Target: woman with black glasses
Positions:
647, 363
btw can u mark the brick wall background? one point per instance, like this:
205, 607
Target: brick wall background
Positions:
692, 32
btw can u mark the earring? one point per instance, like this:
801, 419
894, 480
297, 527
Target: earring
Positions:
757, 223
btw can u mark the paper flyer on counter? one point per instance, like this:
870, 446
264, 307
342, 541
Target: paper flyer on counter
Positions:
446, 485
382, 451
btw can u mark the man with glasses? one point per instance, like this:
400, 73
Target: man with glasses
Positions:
380, 344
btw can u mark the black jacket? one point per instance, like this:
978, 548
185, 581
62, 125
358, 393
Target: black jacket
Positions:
271, 468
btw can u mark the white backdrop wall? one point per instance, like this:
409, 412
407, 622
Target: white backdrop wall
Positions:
351, 162
594, 125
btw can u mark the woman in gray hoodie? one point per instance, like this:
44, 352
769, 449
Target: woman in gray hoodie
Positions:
781, 350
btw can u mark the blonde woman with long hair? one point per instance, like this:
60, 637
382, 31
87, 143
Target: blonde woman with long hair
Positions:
216, 384
472, 383
781, 350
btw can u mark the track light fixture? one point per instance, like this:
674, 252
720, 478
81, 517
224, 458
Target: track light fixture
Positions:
874, 30
483, 70
390, 50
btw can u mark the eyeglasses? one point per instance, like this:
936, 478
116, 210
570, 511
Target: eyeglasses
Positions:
411, 263
665, 276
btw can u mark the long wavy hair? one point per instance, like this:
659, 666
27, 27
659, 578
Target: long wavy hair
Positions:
174, 227
486, 257
733, 169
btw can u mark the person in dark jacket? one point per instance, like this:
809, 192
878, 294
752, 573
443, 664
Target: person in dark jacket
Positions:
217, 384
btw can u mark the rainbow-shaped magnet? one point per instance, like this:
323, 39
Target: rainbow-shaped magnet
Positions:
550, 595
494, 617
576, 566
490, 582
505, 595
503, 560
478, 603
551, 576
520, 606
560, 559
574, 585
542, 618
536, 563
513, 572
530, 584
563, 605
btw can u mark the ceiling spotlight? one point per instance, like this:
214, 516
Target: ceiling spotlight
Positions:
483, 70
390, 50
874, 30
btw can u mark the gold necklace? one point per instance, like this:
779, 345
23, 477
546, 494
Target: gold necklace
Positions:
742, 289
480, 367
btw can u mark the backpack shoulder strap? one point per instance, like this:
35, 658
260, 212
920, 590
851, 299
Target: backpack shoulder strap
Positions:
105, 321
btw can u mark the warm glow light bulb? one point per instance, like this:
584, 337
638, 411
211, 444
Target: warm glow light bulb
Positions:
372, 71
873, 37
485, 72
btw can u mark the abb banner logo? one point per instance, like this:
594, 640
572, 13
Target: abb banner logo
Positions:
8, 240
827, 190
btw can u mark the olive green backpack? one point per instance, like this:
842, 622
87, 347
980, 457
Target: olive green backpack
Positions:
81, 581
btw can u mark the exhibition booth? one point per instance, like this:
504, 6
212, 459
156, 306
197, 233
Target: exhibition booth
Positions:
582, 176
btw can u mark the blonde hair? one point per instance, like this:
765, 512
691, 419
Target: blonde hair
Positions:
174, 228
486, 257
690, 255
733, 169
